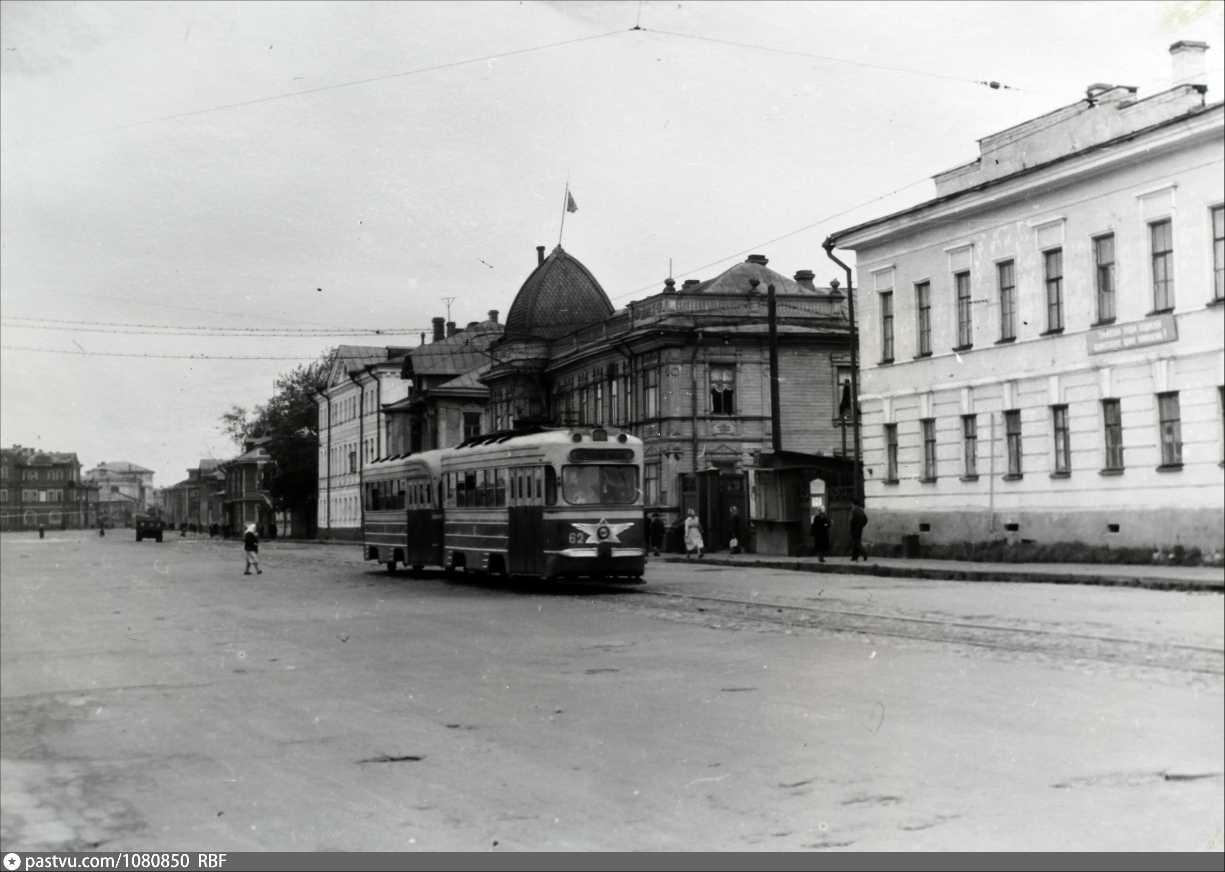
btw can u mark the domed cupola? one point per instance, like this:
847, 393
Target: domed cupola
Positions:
560, 296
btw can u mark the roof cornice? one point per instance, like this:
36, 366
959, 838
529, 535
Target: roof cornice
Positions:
1184, 130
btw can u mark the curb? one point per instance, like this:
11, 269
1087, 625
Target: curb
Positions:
1003, 575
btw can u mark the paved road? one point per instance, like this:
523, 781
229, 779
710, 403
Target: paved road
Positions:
155, 699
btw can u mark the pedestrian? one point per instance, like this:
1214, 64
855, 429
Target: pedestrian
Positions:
41, 531
820, 534
658, 531
859, 520
101, 529
734, 528
250, 545
693, 536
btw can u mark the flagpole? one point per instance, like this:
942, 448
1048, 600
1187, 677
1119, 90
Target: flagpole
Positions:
565, 201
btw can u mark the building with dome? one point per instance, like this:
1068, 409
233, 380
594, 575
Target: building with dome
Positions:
687, 371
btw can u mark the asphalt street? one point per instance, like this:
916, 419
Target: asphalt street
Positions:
154, 698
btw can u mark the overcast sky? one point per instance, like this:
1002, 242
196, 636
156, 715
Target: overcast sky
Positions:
178, 164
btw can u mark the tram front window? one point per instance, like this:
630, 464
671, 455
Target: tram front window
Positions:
600, 485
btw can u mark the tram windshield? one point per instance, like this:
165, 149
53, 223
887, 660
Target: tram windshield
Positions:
600, 485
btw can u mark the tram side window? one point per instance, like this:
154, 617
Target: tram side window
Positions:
550, 486
500, 494
461, 489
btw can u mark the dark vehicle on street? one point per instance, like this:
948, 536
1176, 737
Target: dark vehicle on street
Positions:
148, 528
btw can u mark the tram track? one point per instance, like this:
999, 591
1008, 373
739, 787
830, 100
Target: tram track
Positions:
1052, 642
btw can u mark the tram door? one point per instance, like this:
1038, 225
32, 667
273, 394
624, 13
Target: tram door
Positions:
525, 550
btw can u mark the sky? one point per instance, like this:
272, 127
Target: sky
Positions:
350, 166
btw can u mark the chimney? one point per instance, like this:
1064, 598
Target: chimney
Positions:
539, 255
450, 328
1187, 57
493, 315
690, 283
803, 278
759, 259
439, 328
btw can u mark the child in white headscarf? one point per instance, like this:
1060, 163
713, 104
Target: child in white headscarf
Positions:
250, 545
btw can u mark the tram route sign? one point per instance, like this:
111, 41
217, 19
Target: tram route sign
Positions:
1136, 334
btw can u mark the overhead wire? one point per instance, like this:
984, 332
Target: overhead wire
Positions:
215, 332
321, 89
158, 356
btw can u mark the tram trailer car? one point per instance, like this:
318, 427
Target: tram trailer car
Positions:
543, 503
403, 504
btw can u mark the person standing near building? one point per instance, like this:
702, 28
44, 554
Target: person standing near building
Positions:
250, 545
657, 531
859, 520
693, 536
820, 534
41, 531
735, 531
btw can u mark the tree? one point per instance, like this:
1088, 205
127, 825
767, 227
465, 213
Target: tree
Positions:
290, 422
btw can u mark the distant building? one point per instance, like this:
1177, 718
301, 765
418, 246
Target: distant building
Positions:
351, 432
199, 498
44, 488
246, 499
1043, 350
123, 491
445, 401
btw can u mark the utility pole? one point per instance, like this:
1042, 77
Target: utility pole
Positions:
776, 412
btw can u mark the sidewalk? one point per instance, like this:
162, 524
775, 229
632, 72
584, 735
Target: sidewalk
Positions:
1193, 578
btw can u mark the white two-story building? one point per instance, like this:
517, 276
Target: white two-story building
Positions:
1043, 344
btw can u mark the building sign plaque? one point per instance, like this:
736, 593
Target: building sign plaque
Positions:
1119, 337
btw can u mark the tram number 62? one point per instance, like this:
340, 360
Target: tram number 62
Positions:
577, 538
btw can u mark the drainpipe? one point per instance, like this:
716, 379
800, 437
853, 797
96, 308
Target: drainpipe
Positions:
693, 389
327, 462
776, 412
361, 451
828, 245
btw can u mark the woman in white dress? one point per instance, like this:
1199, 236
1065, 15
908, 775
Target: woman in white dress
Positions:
693, 536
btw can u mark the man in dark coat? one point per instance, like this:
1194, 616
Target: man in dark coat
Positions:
657, 532
735, 530
820, 534
859, 520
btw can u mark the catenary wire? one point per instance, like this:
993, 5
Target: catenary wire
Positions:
158, 356
219, 332
318, 90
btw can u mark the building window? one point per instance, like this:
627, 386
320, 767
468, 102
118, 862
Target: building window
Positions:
650, 481
891, 452
1162, 235
1063, 450
923, 299
722, 389
1218, 253
1103, 256
1012, 432
352, 461
472, 425
886, 327
1112, 419
1008, 300
4, 495
928, 426
650, 391
965, 324
1053, 268
1171, 429
969, 443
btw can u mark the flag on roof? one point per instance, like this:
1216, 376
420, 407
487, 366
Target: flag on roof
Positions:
571, 206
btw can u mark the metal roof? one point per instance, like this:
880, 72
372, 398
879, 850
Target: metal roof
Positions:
560, 296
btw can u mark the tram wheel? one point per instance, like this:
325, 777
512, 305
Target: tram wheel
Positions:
417, 567
391, 566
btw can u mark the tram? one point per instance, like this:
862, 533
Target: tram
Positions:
543, 503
